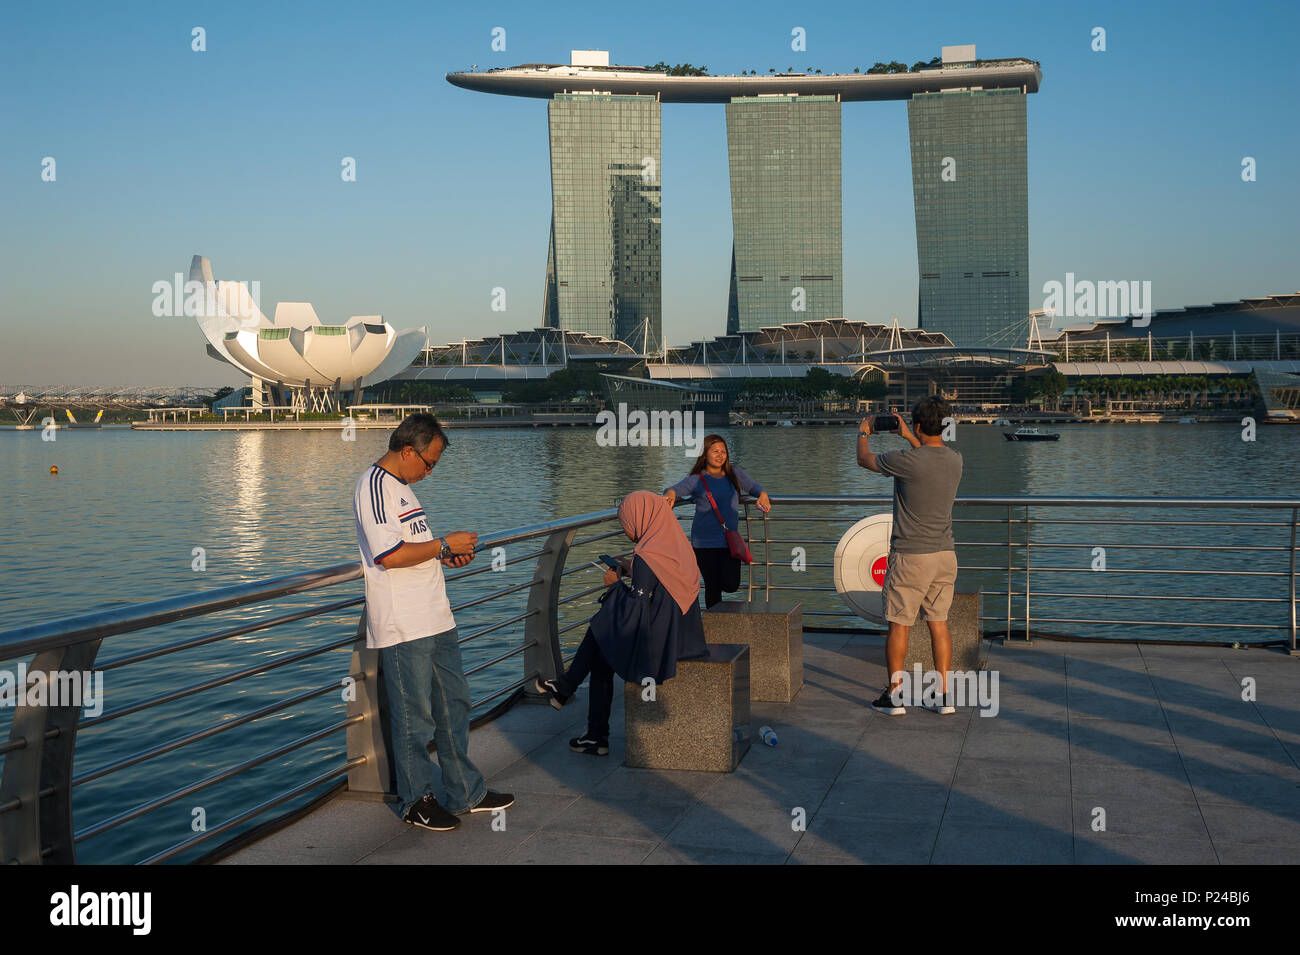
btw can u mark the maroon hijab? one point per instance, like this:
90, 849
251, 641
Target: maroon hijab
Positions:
662, 544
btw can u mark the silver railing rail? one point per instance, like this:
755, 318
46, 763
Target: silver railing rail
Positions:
1022, 525
544, 572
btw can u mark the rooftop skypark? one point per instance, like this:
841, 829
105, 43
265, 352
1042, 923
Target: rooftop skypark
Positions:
686, 84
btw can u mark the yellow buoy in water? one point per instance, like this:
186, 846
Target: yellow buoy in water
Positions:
54, 469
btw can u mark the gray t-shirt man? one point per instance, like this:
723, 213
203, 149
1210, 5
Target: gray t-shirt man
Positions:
925, 483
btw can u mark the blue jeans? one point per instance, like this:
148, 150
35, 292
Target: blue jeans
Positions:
428, 698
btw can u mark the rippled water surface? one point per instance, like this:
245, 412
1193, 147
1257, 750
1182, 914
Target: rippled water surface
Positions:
121, 522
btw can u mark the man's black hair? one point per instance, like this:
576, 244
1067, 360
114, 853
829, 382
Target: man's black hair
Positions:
928, 414
418, 430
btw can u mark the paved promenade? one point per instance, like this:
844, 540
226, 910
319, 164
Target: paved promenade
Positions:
1157, 737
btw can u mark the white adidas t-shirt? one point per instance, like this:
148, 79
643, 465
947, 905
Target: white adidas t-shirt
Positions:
404, 603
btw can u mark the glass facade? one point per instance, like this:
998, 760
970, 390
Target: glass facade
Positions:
784, 153
972, 226
603, 263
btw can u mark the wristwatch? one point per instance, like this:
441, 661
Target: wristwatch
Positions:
446, 549
864, 434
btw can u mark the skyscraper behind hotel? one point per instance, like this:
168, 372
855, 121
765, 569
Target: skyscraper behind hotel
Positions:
970, 185
787, 252
603, 264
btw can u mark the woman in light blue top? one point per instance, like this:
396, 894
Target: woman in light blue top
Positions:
713, 469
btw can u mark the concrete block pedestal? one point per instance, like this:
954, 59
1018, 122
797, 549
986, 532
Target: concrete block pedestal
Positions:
963, 624
698, 720
773, 631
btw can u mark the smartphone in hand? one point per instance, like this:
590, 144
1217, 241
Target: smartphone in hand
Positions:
885, 422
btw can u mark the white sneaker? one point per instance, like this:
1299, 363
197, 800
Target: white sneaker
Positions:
943, 708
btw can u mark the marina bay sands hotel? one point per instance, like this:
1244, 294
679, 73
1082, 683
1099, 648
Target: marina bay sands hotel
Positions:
969, 181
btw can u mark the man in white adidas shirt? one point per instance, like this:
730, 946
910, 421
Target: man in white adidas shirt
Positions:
408, 619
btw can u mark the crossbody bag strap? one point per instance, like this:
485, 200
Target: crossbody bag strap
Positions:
707, 493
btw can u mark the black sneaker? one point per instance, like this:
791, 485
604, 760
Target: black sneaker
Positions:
494, 801
885, 704
551, 690
590, 745
427, 814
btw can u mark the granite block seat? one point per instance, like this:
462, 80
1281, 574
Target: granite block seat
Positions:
773, 631
963, 624
697, 720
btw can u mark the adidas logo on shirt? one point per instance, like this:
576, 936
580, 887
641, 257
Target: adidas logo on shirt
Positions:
404, 502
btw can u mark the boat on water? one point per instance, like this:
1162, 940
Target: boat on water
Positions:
1187, 421
1031, 434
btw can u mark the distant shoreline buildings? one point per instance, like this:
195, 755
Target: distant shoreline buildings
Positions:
602, 296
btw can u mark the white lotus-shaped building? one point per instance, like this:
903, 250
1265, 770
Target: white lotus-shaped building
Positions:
308, 363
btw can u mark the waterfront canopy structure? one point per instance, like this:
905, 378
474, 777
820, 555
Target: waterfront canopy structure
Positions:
912, 362
495, 360
295, 360
783, 142
1266, 322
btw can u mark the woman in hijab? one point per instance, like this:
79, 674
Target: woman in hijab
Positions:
643, 626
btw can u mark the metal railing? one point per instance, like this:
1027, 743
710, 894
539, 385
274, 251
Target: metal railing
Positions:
514, 624
1020, 526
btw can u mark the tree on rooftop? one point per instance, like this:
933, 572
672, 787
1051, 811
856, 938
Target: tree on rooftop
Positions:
221, 393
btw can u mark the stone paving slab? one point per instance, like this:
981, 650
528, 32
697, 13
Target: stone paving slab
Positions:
1159, 738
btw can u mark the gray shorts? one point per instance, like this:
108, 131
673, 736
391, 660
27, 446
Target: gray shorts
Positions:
919, 582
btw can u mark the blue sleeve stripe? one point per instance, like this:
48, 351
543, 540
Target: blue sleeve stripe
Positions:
379, 557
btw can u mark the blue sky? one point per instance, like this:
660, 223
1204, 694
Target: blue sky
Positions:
161, 152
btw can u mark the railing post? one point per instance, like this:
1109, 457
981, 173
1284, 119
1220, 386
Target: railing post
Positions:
1027, 541
767, 560
542, 628
367, 697
42, 764
749, 542
1009, 582
1294, 512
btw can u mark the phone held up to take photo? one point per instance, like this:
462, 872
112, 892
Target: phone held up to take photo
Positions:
885, 422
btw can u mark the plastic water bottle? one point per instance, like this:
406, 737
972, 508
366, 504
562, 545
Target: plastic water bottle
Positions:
768, 735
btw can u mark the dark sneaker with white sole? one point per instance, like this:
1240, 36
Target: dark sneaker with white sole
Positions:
427, 814
493, 801
885, 704
551, 690
590, 745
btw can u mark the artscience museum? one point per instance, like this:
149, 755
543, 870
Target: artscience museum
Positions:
295, 360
